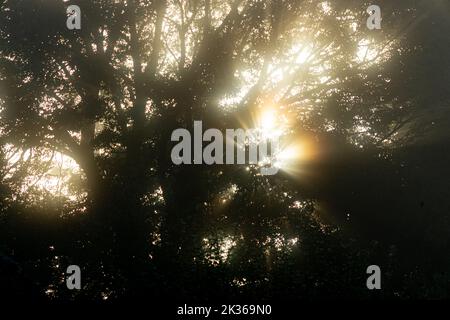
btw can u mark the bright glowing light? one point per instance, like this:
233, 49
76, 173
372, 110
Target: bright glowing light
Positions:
268, 120
228, 193
303, 55
326, 7
280, 243
276, 74
289, 153
287, 159
271, 124
224, 246
239, 282
367, 51
47, 170
247, 79
56, 180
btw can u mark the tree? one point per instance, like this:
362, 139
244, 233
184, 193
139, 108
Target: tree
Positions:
110, 95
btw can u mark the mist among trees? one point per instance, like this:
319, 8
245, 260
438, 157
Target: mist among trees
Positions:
86, 176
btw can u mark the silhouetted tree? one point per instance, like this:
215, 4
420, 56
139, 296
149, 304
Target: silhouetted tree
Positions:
110, 95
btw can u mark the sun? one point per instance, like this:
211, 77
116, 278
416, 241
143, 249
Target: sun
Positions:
291, 152
268, 120
273, 124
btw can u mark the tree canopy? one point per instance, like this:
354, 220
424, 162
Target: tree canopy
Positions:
86, 118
